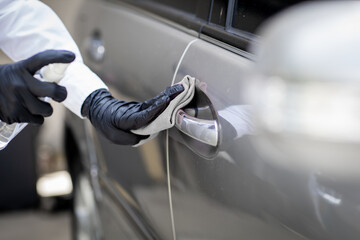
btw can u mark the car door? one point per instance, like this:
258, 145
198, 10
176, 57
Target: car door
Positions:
136, 53
221, 187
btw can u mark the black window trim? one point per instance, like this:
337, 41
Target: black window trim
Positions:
228, 35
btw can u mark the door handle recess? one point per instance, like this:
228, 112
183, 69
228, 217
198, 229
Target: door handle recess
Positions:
203, 130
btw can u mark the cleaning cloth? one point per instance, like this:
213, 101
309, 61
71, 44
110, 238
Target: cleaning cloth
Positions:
166, 119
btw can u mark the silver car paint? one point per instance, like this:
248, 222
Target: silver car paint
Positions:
141, 55
224, 197
237, 194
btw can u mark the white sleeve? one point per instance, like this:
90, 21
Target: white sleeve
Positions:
28, 27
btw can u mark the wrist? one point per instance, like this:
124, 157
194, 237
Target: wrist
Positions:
92, 99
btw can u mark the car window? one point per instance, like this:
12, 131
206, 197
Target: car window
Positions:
249, 14
232, 22
219, 12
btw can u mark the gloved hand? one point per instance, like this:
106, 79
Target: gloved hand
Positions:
115, 118
20, 91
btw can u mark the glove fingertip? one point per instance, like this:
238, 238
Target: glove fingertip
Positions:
60, 94
48, 112
37, 120
41, 121
175, 91
68, 56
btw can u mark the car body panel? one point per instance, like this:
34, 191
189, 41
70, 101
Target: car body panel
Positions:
241, 191
223, 197
141, 62
237, 191
143, 52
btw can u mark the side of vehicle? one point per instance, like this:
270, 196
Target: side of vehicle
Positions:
141, 55
176, 186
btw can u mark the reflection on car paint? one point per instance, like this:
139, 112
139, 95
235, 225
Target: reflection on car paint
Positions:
239, 116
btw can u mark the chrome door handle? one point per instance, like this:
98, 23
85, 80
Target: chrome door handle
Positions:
203, 130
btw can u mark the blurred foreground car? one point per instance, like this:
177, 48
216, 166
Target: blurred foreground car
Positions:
246, 159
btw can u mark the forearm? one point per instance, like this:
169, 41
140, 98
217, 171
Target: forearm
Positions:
29, 27
80, 82
116, 118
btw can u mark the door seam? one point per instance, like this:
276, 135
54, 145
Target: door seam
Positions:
167, 147
181, 59
169, 186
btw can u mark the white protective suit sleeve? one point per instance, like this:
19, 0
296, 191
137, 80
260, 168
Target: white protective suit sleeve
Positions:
28, 27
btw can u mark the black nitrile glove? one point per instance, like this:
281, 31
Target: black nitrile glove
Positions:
20, 91
115, 118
